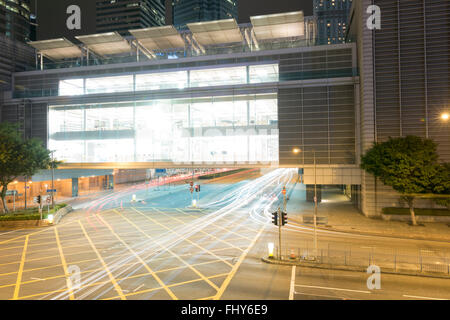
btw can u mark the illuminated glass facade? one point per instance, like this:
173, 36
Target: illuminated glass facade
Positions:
171, 80
208, 129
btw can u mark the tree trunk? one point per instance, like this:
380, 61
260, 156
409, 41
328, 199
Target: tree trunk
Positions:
411, 210
3, 196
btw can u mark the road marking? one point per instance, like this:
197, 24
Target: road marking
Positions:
427, 298
328, 288
210, 235
320, 295
185, 238
111, 277
237, 265
292, 289
170, 286
158, 279
37, 279
64, 265
170, 251
19, 274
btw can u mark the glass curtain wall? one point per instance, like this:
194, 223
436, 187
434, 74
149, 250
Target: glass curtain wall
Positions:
170, 80
214, 129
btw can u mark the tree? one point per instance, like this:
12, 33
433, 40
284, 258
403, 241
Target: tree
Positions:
18, 157
442, 186
409, 165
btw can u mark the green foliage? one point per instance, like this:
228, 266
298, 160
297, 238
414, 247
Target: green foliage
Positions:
409, 165
19, 157
442, 187
31, 214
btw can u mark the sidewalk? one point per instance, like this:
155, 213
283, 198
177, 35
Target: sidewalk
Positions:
344, 217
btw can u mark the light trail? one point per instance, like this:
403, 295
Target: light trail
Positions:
155, 247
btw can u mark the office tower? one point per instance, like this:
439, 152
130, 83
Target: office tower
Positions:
188, 11
124, 15
15, 19
332, 20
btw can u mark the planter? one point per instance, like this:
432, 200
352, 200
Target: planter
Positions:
406, 218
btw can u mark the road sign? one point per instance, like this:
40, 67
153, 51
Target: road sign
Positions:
161, 171
192, 190
49, 199
51, 190
192, 183
11, 193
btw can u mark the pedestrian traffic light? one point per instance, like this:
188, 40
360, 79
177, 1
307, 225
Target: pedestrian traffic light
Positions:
283, 218
275, 218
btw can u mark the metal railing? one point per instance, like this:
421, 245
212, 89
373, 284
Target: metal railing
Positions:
415, 261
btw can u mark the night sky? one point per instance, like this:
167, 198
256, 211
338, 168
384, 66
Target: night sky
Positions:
52, 14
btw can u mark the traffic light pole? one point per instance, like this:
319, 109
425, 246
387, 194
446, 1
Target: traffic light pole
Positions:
280, 221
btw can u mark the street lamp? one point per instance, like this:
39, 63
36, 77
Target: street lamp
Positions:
297, 151
445, 116
53, 179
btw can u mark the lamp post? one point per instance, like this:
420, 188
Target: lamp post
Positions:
297, 151
53, 179
445, 116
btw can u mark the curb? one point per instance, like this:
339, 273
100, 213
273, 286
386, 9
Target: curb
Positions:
351, 268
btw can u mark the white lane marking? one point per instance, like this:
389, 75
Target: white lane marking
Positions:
321, 295
327, 288
39, 279
292, 290
428, 298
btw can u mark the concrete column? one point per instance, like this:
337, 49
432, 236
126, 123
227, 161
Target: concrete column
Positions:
74, 187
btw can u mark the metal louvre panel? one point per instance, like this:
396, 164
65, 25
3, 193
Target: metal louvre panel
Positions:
320, 118
412, 70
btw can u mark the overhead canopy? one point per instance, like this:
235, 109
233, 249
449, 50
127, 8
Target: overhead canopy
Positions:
106, 43
216, 32
57, 49
282, 25
159, 38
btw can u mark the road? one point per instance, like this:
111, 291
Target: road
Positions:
160, 247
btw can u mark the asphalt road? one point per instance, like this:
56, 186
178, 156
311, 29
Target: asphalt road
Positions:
160, 247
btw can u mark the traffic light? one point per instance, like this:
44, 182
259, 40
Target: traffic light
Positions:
39, 199
283, 218
275, 218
